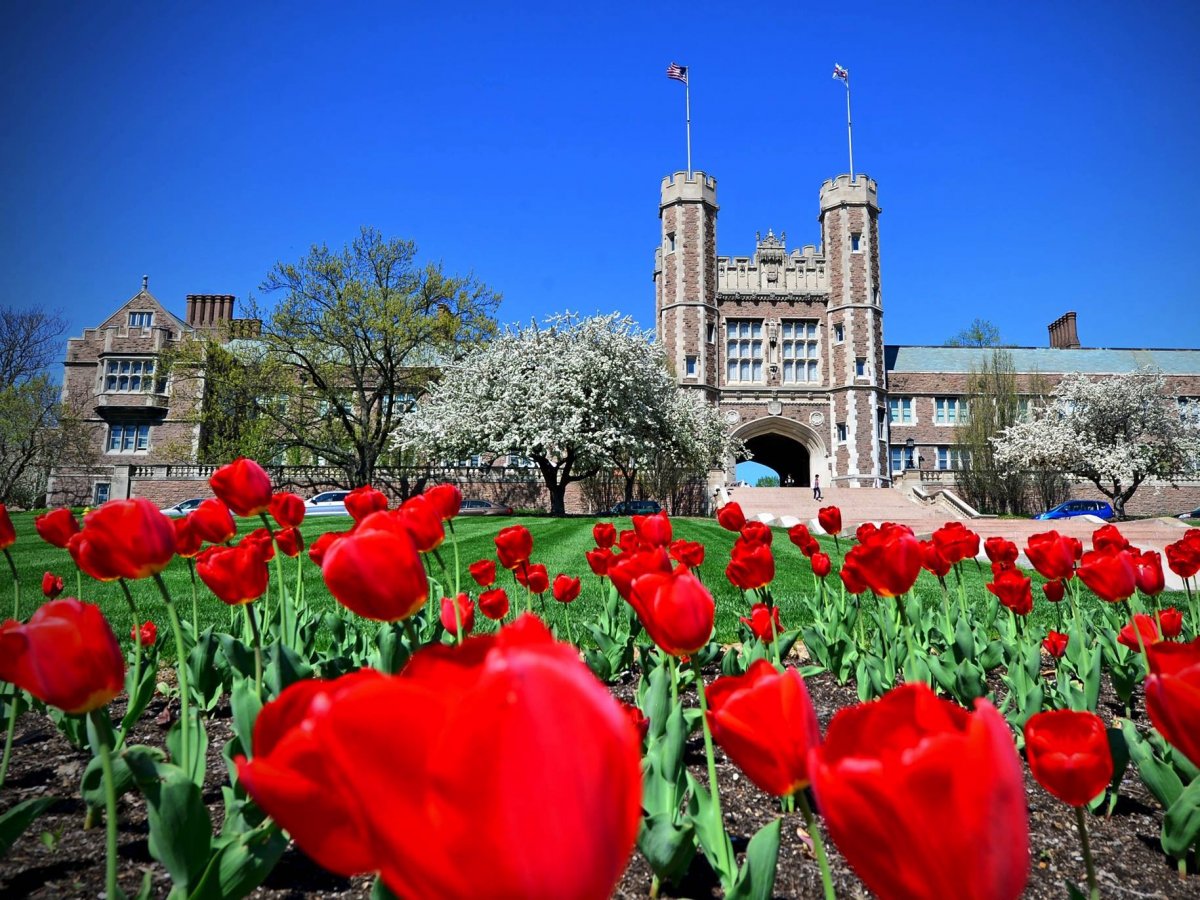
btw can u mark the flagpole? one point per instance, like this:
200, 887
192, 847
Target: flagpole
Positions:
687, 106
849, 131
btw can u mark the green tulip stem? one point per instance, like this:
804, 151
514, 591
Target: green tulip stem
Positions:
9, 732
136, 635
287, 614
457, 571
78, 583
195, 604
413, 639
1093, 887
258, 654
300, 578
727, 865
946, 609
774, 630
12, 567
814, 831
567, 617
185, 700
110, 804
671, 667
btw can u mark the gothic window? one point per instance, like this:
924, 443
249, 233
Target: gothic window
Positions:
839, 333
744, 350
841, 432
798, 351
952, 458
691, 367
141, 319
855, 242
949, 410
128, 438
132, 376
900, 410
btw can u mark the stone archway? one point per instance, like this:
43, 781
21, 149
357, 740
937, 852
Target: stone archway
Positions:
793, 450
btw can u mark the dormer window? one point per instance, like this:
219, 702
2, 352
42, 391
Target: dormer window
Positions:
141, 319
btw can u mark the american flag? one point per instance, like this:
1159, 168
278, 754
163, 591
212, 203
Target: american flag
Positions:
840, 74
679, 73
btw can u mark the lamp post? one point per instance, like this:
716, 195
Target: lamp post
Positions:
908, 456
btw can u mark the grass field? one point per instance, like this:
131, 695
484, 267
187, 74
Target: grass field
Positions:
558, 543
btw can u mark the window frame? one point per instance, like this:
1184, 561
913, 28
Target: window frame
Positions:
128, 437
754, 333
800, 333
907, 411
950, 411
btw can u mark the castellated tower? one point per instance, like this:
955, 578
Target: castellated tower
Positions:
856, 380
685, 279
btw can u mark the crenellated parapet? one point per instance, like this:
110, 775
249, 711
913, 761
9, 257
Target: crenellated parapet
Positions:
842, 191
682, 186
773, 270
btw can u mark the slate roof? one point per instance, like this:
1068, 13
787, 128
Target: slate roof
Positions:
1091, 360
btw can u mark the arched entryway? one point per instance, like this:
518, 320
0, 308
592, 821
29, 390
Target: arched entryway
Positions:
793, 451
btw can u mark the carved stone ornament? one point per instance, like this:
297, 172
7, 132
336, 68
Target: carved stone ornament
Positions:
733, 417
816, 418
774, 407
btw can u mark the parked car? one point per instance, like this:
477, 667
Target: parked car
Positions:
484, 508
326, 503
635, 508
1072, 508
183, 508
1194, 514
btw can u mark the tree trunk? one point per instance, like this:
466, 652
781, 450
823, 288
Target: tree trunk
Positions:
630, 481
558, 499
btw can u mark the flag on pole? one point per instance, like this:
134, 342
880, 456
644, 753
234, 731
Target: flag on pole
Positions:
840, 74
679, 73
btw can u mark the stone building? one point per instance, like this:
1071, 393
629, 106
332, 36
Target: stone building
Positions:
789, 343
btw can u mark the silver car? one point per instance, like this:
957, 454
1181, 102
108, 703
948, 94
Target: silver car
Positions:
183, 508
326, 503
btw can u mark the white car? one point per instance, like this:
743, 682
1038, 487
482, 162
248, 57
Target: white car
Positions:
182, 508
326, 503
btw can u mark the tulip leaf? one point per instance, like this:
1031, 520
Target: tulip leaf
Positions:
710, 833
1181, 824
598, 663
242, 864
669, 848
14, 821
1159, 777
237, 654
198, 755
141, 694
286, 667
674, 743
245, 705
92, 784
756, 880
180, 829
380, 891
657, 703
204, 675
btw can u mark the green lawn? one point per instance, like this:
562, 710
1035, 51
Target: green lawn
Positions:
558, 543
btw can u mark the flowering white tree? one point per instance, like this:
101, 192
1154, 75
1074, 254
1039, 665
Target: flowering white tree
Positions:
1114, 432
573, 395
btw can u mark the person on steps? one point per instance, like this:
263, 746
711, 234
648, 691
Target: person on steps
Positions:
816, 487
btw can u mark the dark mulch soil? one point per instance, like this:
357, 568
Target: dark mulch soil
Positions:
57, 858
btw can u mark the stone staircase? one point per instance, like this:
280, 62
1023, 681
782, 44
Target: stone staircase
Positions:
787, 506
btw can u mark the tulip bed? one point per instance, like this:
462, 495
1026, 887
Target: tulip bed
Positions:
425, 706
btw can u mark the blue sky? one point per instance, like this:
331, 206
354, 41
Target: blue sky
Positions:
1031, 158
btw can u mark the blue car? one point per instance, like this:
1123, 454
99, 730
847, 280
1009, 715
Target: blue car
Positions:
1072, 508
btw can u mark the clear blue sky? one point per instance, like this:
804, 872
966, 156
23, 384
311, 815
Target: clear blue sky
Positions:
1031, 158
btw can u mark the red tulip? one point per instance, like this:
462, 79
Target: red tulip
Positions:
1109, 574
566, 588
376, 570
654, 530
1170, 622
287, 509
1056, 643
752, 566
466, 613
1140, 626
262, 541
319, 547
124, 539
187, 540
689, 553
1148, 572
830, 519
761, 620
1054, 590
1068, 754
628, 541
362, 501
484, 572
851, 572
514, 545
1001, 550
1173, 694
236, 575
52, 585
605, 534
956, 542
923, 799
730, 517
638, 718
933, 560
212, 521
146, 635
821, 564
1052, 555
1109, 536
424, 521
890, 560
244, 486
865, 532
66, 655
676, 610
56, 527
8, 534
766, 724
494, 604
1013, 590
757, 533
534, 577
289, 541
354, 772
799, 535
625, 568
1183, 556
446, 499
599, 559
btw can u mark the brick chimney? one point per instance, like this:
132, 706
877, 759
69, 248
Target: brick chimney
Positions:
1063, 335
209, 311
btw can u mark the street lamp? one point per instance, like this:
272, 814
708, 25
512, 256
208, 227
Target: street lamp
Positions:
908, 460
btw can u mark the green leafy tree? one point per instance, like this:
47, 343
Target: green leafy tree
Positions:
767, 481
980, 333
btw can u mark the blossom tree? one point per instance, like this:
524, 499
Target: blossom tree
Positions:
573, 394
1114, 432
